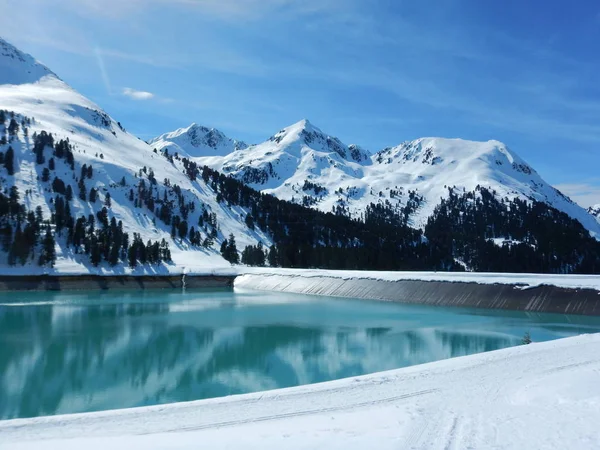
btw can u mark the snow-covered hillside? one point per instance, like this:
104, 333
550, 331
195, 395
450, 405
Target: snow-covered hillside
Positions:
17, 67
39, 102
197, 141
305, 165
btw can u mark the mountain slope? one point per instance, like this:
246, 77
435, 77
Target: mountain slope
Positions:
432, 165
305, 165
17, 67
41, 102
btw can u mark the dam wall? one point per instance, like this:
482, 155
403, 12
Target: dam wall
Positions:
100, 282
544, 298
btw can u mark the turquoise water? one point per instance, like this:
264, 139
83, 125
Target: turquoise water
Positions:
76, 352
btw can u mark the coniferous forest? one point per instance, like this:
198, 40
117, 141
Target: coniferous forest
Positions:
27, 235
461, 233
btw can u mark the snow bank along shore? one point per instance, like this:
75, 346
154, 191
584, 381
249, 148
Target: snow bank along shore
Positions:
537, 396
564, 294
523, 292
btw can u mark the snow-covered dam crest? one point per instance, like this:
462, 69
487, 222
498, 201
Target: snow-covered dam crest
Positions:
535, 293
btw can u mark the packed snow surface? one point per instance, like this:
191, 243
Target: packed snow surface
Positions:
523, 280
537, 396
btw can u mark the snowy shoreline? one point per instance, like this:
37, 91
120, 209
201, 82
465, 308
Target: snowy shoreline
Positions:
521, 397
520, 280
561, 294
453, 291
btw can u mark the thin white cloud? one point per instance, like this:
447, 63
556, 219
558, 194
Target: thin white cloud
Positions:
585, 193
137, 95
224, 9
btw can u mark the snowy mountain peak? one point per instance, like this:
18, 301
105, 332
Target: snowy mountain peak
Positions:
310, 136
197, 140
488, 157
17, 67
295, 131
306, 125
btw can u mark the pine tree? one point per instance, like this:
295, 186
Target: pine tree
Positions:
231, 253
223, 250
131, 255
58, 186
13, 201
250, 221
93, 195
82, 190
48, 254
19, 247
107, 200
260, 255
6, 233
9, 161
13, 127
272, 257
183, 229
95, 252
165, 252
113, 259
70, 158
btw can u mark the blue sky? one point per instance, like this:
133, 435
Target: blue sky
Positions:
372, 72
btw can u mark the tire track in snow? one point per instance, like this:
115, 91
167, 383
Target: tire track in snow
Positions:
300, 413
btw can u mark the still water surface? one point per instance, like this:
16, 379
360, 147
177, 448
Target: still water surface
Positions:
76, 352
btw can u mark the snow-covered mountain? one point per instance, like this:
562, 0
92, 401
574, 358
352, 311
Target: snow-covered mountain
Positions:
76, 184
197, 141
305, 165
38, 101
595, 211
298, 153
